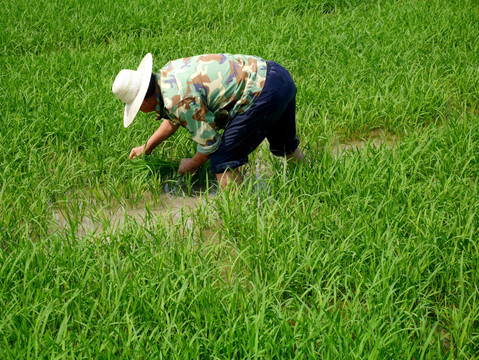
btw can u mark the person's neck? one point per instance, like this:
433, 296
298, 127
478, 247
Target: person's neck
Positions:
160, 105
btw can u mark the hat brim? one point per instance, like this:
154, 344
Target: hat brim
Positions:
131, 109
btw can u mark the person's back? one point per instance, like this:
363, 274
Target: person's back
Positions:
212, 88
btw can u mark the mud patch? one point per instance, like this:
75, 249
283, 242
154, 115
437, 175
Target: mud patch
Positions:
375, 139
89, 217
83, 217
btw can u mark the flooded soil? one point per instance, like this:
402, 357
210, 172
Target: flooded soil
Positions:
88, 217
375, 138
91, 218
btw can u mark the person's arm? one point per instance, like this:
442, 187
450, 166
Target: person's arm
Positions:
191, 165
165, 130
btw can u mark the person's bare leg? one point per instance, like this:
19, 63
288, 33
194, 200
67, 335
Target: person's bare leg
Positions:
229, 176
297, 156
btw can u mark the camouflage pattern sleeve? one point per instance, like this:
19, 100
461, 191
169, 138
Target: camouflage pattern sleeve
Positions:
193, 114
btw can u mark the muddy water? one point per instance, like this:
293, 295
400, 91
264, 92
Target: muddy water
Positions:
173, 205
93, 218
374, 139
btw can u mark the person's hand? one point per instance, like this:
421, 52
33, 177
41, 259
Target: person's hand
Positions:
137, 151
188, 166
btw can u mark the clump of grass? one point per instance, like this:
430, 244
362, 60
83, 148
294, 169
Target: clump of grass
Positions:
163, 168
371, 255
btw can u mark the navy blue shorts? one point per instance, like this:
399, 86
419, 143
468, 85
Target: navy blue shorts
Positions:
272, 116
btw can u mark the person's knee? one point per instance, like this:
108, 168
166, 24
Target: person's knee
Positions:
230, 176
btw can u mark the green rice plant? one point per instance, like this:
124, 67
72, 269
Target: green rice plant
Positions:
163, 168
370, 254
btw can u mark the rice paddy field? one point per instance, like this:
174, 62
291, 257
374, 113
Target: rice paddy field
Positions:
369, 251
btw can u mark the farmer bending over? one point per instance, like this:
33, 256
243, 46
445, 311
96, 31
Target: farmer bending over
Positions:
245, 98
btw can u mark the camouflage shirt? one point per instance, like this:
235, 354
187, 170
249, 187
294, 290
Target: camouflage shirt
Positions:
202, 93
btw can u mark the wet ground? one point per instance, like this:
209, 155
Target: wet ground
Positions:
174, 203
91, 218
375, 138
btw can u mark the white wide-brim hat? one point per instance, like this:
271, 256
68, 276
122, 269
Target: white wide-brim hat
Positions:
130, 86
